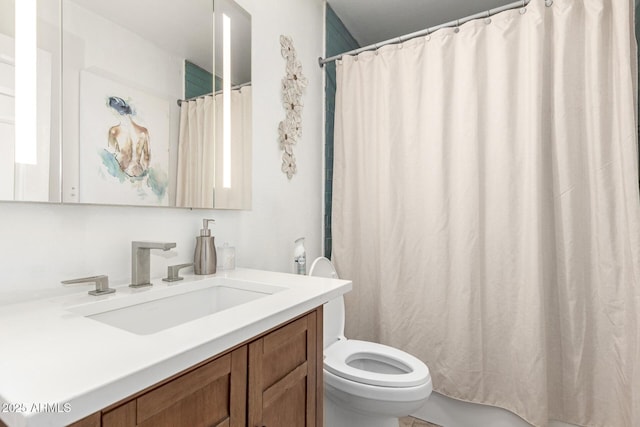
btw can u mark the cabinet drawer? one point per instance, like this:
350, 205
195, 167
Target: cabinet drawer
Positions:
213, 394
209, 386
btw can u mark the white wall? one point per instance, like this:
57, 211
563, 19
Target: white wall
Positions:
41, 244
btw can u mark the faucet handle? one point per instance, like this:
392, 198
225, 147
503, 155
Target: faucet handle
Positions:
165, 246
173, 270
101, 281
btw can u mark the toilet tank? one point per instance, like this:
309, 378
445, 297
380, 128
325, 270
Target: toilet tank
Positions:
333, 311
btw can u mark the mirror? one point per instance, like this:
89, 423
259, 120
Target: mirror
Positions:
29, 101
145, 122
228, 101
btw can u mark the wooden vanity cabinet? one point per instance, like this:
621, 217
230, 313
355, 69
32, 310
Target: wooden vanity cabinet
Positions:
285, 387
274, 380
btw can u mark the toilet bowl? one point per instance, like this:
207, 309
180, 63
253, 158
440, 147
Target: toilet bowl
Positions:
366, 384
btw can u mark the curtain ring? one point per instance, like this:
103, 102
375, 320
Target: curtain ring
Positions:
523, 9
457, 29
487, 19
548, 3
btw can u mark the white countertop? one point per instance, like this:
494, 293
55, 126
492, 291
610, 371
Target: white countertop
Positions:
57, 366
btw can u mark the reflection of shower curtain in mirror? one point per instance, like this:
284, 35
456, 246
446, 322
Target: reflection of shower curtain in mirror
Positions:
198, 171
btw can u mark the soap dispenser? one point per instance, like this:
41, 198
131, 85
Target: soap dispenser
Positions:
204, 258
299, 257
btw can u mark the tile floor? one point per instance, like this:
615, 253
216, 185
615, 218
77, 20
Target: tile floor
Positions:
413, 422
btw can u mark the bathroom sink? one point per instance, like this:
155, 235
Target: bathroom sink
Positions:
145, 313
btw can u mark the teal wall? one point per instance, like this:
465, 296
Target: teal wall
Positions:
198, 81
637, 22
338, 40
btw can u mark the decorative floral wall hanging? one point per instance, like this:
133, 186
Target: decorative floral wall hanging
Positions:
293, 86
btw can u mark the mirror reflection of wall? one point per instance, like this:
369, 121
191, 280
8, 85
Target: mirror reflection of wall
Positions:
122, 74
29, 93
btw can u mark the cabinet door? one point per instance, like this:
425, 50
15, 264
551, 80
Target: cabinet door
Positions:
211, 395
284, 386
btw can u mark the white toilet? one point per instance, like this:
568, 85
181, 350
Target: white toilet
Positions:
365, 384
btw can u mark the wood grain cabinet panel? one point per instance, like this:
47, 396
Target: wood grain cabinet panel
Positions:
92, 420
122, 416
213, 394
283, 380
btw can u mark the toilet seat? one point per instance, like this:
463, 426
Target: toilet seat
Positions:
374, 364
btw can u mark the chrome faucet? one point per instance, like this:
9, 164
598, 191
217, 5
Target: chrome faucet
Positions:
141, 262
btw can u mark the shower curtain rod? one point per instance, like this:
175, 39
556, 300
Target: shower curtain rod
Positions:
456, 23
180, 101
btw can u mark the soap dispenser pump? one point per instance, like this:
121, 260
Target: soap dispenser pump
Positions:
204, 258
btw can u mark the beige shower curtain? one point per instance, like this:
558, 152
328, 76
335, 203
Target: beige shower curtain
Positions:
196, 153
486, 207
200, 152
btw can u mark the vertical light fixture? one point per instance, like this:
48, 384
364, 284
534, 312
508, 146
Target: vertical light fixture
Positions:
25, 82
226, 101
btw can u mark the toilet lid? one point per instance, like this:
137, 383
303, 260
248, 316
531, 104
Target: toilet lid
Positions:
374, 364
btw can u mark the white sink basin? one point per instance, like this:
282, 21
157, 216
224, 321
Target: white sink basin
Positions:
147, 312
